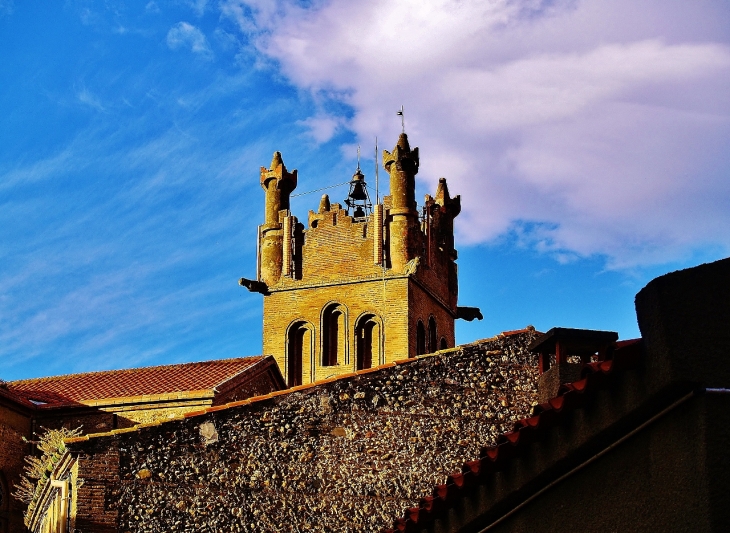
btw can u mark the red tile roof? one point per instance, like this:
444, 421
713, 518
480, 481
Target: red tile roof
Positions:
516, 443
132, 382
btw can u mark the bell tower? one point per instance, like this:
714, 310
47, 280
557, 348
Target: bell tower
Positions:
359, 286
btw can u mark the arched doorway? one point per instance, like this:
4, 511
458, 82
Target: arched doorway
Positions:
368, 333
299, 349
432, 337
420, 339
334, 335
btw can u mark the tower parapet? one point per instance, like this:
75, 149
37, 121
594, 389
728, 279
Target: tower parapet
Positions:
402, 165
278, 183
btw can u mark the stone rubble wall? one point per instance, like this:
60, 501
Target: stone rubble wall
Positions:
348, 455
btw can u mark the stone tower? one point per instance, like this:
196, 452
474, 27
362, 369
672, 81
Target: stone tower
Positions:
349, 292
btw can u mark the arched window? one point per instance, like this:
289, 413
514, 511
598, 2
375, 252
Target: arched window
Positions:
368, 332
432, 337
444, 345
299, 349
420, 339
334, 334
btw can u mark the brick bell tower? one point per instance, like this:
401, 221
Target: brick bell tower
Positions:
353, 290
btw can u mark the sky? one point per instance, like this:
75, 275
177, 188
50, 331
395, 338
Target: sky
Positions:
589, 140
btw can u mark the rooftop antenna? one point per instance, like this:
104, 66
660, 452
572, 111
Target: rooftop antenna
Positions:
402, 119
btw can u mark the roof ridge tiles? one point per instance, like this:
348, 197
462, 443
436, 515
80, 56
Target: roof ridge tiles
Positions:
42, 379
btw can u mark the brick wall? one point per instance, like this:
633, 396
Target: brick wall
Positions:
387, 299
98, 487
13, 427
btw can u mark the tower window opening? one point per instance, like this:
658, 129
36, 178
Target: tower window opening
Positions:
298, 350
420, 339
432, 337
368, 334
444, 345
333, 335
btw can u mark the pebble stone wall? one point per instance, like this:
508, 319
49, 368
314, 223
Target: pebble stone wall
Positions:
349, 455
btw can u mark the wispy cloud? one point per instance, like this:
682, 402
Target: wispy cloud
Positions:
605, 121
6, 7
86, 97
185, 35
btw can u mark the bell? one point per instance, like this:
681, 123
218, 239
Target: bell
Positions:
358, 192
359, 212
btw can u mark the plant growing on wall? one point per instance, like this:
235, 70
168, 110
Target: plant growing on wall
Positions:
37, 469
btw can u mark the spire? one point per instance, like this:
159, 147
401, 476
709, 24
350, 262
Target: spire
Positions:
403, 143
442, 193
442, 198
277, 161
324, 204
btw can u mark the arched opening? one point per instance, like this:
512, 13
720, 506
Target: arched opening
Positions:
444, 345
368, 332
420, 339
334, 332
299, 349
432, 337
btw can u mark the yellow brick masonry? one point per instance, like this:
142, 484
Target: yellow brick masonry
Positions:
337, 260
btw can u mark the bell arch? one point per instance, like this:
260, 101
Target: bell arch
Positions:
334, 335
369, 338
299, 349
420, 338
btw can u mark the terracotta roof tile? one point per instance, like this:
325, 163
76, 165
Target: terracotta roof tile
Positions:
147, 381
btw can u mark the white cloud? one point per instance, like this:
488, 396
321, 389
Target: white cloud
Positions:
187, 35
322, 127
595, 127
198, 6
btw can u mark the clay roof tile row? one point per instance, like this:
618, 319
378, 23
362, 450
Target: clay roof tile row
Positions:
72, 389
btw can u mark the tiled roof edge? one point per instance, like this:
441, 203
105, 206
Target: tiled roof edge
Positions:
99, 372
264, 362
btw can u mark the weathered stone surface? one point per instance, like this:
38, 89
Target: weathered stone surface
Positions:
342, 456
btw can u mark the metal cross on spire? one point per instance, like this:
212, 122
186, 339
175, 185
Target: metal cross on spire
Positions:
402, 120
358, 157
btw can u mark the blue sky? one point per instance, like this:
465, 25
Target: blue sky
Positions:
590, 142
